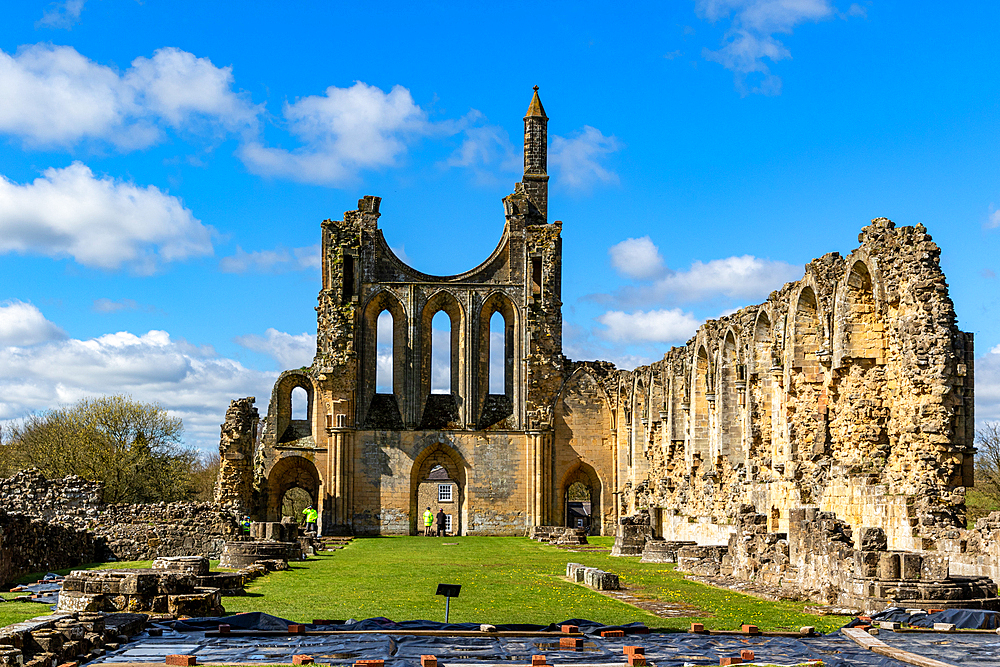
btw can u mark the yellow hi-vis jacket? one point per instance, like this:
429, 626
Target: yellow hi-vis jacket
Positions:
311, 515
428, 519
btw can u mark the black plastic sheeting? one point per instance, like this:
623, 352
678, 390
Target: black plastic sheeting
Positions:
261, 621
982, 650
47, 589
662, 649
978, 619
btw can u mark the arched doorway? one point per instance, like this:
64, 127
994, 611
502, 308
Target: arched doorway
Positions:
581, 494
292, 481
437, 480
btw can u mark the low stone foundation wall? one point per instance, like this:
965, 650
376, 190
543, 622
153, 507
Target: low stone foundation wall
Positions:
704, 560
663, 551
62, 638
823, 558
236, 555
597, 579
138, 590
630, 538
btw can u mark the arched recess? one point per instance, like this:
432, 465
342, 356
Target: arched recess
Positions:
859, 332
760, 386
294, 432
287, 473
805, 424
384, 411
699, 409
422, 483
582, 474
640, 423
441, 411
732, 382
807, 337
499, 411
582, 418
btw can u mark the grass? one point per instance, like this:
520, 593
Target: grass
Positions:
504, 580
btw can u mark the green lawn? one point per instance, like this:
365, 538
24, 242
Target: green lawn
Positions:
504, 580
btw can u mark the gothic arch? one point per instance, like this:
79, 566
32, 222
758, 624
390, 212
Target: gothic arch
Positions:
287, 473
732, 381
760, 363
444, 455
701, 397
445, 301
381, 301
584, 473
859, 331
495, 409
288, 430
808, 334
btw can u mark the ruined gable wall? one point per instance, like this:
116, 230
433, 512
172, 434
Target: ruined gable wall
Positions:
849, 389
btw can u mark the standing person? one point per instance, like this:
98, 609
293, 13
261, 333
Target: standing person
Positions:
311, 516
442, 521
428, 522
245, 525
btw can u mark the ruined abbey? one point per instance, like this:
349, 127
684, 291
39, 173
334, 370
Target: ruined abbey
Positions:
848, 392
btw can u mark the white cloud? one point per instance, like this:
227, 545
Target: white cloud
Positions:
193, 383
637, 258
994, 220
577, 160
654, 326
271, 261
750, 37
744, 277
342, 131
487, 151
63, 14
99, 222
23, 324
290, 351
178, 87
988, 386
53, 95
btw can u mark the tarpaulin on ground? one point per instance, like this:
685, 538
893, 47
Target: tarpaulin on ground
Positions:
401, 650
981, 619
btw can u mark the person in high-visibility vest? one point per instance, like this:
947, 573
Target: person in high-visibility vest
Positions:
245, 525
311, 517
428, 522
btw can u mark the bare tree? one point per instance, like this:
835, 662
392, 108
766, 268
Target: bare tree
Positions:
134, 448
988, 460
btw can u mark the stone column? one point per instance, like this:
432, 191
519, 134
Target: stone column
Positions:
535, 447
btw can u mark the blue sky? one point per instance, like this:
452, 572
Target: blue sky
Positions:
165, 167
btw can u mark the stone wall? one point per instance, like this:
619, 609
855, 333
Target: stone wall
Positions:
66, 524
32, 545
143, 532
850, 389
71, 498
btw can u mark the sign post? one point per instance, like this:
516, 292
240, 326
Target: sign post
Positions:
449, 591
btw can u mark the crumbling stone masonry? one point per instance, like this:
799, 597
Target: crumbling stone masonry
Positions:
233, 489
850, 389
509, 455
52, 524
848, 392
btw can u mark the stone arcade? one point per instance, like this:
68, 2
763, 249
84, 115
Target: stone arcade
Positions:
848, 392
